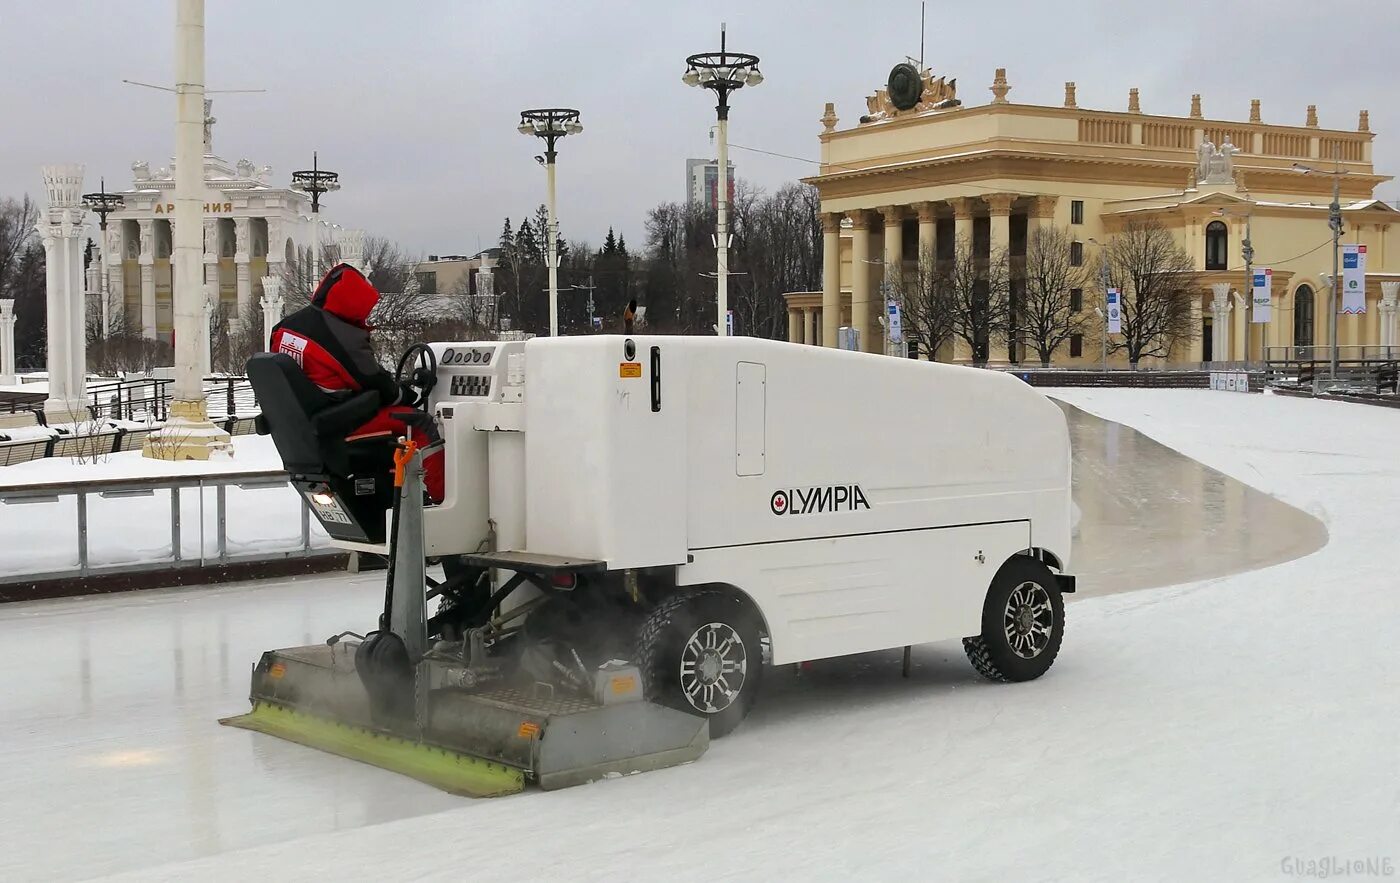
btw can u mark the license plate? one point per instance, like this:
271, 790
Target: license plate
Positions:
330, 511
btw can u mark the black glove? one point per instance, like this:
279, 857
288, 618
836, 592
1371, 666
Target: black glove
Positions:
425, 379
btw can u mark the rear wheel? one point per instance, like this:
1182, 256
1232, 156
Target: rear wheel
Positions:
1023, 622
699, 652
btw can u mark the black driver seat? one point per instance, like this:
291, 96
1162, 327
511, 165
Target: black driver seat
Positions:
309, 428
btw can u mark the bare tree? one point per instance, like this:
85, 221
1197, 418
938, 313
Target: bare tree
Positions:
17, 220
977, 298
926, 311
1046, 316
1156, 278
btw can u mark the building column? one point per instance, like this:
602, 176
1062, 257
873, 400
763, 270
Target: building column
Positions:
893, 268
271, 306
999, 207
962, 239
7, 342
831, 278
205, 354
1042, 214
860, 277
1389, 306
242, 257
1222, 336
809, 336
1196, 349
794, 325
147, 260
928, 232
114, 300
61, 230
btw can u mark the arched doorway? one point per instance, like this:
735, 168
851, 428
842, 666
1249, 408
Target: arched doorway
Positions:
1303, 322
1217, 246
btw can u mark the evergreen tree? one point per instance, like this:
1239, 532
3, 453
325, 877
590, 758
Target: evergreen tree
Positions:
610, 243
622, 246
507, 240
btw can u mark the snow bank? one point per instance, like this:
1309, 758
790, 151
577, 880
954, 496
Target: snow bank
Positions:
1214, 731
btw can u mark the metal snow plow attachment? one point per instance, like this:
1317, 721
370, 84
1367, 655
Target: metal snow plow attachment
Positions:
484, 743
477, 716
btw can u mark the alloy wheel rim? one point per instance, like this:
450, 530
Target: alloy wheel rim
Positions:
1029, 620
714, 666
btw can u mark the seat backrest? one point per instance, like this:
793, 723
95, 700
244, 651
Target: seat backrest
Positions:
290, 403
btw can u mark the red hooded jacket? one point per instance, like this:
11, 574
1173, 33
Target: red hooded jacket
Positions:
330, 338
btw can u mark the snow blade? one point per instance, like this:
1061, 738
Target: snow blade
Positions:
451, 771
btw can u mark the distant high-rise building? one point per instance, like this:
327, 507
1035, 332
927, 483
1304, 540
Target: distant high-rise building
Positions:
702, 183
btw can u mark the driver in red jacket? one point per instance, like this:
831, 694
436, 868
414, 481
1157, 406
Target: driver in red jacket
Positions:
330, 341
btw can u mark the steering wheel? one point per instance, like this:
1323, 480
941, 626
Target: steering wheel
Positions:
418, 369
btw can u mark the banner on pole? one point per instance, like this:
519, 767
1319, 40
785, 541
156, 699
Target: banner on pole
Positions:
1115, 313
729, 323
1262, 297
1353, 279
896, 329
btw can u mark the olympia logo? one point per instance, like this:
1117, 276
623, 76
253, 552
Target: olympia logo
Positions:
810, 500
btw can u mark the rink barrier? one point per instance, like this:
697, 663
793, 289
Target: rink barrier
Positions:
213, 556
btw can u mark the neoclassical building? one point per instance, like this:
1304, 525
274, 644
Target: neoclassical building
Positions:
252, 229
922, 169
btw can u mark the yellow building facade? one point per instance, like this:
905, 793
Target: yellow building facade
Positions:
922, 169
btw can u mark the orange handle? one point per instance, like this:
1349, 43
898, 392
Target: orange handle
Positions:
402, 454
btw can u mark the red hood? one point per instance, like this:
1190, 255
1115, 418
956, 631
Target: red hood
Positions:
346, 294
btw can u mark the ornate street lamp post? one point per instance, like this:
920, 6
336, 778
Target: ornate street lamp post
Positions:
103, 204
1334, 220
551, 124
315, 181
723, 72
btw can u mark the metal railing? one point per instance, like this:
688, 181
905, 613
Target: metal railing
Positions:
1354, 353
127, 488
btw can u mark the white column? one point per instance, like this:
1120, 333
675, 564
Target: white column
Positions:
999, 207
114, 297
206, 354
794, 325
61, 230
187, 433
242, 255
831, 278
352, 248
1390, 307
147, 260
722, 233
7, 342
271, 305
860, 278
276, 248
1221, 327
92, 292
809, 335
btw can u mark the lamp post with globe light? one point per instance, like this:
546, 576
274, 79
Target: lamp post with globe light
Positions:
314, 182
103, 204
550, 124
723, 72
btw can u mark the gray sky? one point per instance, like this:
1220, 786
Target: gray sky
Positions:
415, 103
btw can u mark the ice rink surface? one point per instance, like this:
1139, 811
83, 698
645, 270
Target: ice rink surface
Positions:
1206, 731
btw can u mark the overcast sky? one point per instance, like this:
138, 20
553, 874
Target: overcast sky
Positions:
415, 103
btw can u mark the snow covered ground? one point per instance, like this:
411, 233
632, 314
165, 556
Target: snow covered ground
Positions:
1223, 730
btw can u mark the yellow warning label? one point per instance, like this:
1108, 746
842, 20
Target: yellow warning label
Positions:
623, 684
276, 671
629, 369
529, 729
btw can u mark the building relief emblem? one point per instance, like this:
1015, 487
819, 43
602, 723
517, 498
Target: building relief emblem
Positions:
909, 92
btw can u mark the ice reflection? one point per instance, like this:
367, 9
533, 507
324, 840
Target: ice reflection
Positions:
1149, 516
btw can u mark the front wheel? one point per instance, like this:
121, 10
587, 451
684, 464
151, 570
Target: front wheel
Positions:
1023, 622
699, 652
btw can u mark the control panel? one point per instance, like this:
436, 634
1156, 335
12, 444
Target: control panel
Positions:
479, 371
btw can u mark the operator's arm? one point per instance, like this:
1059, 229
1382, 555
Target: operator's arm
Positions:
371, 374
